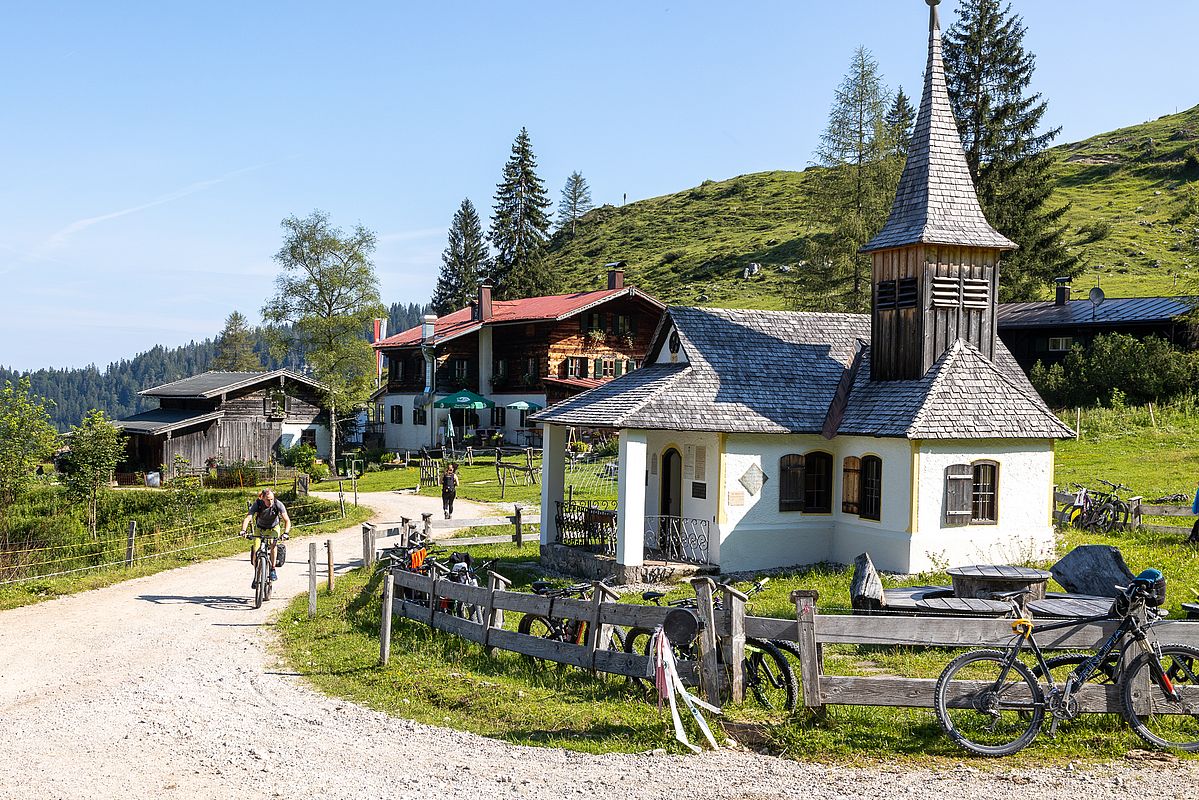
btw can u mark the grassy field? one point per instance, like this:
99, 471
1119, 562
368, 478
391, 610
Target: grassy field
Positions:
1126, 189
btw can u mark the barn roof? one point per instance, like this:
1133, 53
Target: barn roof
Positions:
1081, 313
213, 384
507, 312
160, 420
936, 202
778, 372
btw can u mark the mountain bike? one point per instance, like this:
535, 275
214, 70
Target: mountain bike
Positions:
261, 558
769, 676
990, 703
558, 629
462, 570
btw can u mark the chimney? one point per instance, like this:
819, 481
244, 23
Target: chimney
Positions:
474, 311
484, 301
1063, 291
427, 327
616, 274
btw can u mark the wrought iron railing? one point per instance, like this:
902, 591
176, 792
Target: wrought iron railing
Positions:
590, 525
677, 539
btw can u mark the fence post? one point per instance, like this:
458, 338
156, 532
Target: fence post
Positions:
734, 644
519, 535
810, 665
493, 617
129, 542
368, 549
385, 622
312, 579
599, 635
329, 555
341, 500
709, 666
354, 483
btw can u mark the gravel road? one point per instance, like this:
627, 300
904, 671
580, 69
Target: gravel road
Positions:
165, 686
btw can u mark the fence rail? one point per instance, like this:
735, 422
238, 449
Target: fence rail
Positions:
1063, 505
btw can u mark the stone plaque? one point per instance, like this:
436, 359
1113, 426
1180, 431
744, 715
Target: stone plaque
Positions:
736, 498
753, 479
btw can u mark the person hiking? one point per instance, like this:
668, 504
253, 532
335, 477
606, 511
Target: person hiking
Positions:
267, 514
449, 489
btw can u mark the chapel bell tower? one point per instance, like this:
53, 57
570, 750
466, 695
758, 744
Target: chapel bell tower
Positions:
936, 261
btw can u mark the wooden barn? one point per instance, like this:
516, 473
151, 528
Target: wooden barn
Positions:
228, 416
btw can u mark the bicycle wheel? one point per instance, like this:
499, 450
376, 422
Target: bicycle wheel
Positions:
260, 580
986, 706
536, 625
769, 676
1105, 518
270, 584
637, 640
1148, 707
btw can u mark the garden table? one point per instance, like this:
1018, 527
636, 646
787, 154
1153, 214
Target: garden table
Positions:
984, 580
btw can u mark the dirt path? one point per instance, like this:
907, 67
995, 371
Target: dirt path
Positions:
164, 686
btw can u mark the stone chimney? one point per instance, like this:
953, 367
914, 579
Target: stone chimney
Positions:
1062, 295
484, 303
616, 274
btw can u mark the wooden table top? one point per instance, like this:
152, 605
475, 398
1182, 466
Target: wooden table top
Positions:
963, 605
1005, 572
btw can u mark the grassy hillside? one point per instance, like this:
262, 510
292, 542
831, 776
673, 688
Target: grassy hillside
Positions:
1126, 189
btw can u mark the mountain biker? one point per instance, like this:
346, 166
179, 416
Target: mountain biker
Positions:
1194, 537
266, 513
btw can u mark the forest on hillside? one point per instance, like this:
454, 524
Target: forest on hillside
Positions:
73, 392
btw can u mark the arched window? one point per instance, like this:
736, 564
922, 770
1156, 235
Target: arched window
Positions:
818, 483
872, 488
791, 483
851, 484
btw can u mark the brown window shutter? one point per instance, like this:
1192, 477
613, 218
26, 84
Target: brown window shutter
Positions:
959, 486
791, 483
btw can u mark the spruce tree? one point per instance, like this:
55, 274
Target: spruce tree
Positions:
235, 347
520, 227
463, 262
576, 201
900, 120
853, 195
988, 73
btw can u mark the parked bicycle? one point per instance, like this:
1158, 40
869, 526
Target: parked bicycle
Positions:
560, 629
990, 703
1100, 511
768, 673
261, 559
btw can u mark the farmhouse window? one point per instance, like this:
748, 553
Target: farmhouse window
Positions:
501, 368
499, 415
609, 367
308, 437
576, 367
791, 483
420, 416
624, 324
851, 473
531, 367
1060, 344
872, 488
818, 483
397, 415
983, 505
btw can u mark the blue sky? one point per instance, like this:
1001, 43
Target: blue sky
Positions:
150, 150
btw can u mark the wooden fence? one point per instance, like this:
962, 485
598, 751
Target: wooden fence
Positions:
723, 631
1063, 504
372, 532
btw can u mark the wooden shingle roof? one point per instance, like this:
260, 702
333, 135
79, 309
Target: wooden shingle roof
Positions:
212, 384
936, 202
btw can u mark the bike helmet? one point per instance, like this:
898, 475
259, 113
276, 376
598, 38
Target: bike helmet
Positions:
1153, 583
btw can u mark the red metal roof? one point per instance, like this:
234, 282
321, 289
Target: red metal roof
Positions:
530, 309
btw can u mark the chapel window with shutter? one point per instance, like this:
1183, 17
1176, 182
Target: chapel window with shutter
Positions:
971, 493
791, 483
818, 483
851, 473
872, 488
983, 501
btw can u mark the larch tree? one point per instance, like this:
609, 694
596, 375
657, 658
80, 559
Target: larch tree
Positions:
235, 347
520, 227
576, 201
988, 74
26, 439
326, 295
463, 262
96, 447
853, 195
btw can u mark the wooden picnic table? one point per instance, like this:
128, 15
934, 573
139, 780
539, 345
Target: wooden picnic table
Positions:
984, 580
963, 605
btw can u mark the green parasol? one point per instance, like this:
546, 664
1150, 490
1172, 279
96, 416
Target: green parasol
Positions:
524, 405
464, 398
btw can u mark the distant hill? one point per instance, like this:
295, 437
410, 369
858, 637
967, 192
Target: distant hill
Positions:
1126, 187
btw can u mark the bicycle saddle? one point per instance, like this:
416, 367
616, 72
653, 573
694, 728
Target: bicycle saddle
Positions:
649, 597
541, 587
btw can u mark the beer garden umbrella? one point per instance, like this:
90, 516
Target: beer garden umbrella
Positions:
463, 399
524, 405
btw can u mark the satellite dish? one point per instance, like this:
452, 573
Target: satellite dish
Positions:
1097, 296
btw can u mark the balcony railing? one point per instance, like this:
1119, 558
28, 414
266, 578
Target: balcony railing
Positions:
677, 539
590, 525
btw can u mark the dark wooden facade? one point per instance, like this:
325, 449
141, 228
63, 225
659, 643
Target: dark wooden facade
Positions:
926, 297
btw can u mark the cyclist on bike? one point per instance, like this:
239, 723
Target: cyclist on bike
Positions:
266, 513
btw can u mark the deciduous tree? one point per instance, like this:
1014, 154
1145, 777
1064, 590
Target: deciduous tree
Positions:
463, 262
235, 347
96, 448
520, 227
988, 74
328, 293
26, 439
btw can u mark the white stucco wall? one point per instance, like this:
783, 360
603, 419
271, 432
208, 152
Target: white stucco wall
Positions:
404, 436
407, 436
1023, 530
657, 442
291, 436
